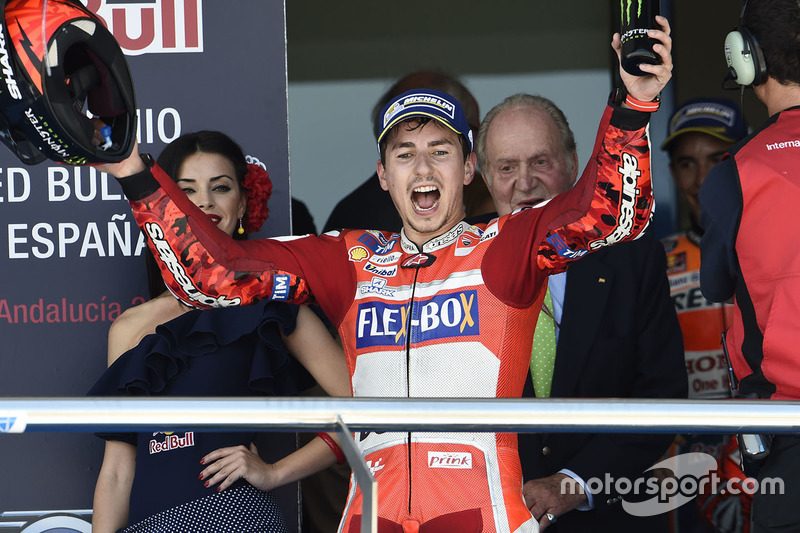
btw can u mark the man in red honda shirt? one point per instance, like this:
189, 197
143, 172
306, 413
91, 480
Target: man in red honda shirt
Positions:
749, 250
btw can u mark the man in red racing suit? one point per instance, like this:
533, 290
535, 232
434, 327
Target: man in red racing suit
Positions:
448, 316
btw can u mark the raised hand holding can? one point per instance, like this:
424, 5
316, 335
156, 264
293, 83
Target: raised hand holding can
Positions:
636, 17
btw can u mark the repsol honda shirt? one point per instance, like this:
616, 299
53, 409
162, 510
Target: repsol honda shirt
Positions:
702, 322
452, 318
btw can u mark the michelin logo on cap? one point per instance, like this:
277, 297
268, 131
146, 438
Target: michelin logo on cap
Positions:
429, 103
420, 100
717, 117
708, 110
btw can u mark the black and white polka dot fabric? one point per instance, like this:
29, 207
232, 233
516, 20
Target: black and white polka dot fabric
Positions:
244, 509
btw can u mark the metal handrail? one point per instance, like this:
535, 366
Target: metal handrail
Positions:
345, 415
403, 414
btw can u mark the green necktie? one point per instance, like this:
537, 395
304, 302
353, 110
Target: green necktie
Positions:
543, 351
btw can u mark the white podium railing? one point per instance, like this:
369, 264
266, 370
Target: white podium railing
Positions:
345, 415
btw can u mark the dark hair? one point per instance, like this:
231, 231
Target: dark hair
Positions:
171, 159
417, 123
776, 26
208, 142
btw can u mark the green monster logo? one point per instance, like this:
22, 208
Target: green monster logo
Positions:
625, 11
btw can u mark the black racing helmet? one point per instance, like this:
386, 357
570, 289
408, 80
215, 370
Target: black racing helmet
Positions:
44, 97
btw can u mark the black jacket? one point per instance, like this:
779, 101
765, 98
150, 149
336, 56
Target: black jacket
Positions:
619, 338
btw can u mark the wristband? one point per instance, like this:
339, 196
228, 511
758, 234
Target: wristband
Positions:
333, 446
620, 96
638, 105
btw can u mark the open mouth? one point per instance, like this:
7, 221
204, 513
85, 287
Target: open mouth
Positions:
425, 198
216, 219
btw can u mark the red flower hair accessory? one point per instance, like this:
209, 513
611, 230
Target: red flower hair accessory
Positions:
259, 189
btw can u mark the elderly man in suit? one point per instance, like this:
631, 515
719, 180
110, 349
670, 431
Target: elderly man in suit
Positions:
612, 327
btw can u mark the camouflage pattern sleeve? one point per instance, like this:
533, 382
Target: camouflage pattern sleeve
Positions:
205, 268
611, 202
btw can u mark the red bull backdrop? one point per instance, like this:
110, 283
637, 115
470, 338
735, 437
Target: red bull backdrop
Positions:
70, 249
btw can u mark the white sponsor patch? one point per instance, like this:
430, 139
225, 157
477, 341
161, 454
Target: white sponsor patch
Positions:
445, 239
386, 272
378, 286
450, 460
384, 260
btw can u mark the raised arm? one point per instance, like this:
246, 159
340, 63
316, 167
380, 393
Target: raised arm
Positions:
206, 268
611, 202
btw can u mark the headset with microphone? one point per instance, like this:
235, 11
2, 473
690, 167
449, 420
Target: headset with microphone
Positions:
746, 65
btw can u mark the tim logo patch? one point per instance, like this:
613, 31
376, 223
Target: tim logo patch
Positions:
377, 243
280, 287
562, 249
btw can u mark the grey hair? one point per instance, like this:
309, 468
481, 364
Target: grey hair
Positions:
522, 100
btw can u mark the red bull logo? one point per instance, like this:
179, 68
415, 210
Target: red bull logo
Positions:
153, 26
171, 442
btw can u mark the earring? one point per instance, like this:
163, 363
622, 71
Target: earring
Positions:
240, 231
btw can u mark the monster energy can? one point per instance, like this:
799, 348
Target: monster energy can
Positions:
636, 17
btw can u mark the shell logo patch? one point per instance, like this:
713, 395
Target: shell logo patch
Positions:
358, 254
